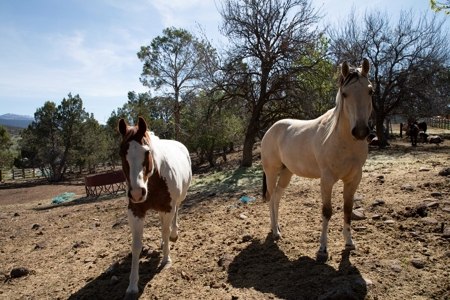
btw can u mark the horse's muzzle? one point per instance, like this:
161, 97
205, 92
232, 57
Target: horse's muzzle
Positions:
137, 195
361, 132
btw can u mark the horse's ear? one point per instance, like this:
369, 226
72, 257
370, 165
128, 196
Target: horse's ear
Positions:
365, 67
122, 127
345, 70
142, 125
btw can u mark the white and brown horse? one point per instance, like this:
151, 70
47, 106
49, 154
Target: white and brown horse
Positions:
331, 147
158, 174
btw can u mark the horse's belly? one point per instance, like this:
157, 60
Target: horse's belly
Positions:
340, 166
305, 167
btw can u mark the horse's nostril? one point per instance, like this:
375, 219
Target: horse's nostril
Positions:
143, 192
354, 131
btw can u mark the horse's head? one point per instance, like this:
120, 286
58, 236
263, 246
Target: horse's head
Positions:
356, 94
137, 160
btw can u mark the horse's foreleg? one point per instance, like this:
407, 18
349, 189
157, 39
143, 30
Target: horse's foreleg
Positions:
165, 231
137, 227
326, 187
349, 194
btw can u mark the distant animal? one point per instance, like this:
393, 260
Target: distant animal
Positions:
371, 136
158, 174
331, 147
413, 133
422, 126
434, 139
374, 142
424, 137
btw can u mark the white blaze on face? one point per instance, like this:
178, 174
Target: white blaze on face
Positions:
358, 104
135, 158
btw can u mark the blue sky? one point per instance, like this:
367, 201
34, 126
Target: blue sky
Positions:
49, 48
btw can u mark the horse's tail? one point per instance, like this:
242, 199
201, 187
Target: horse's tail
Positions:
264, 187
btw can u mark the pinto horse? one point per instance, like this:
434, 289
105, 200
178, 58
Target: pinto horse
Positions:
331, 147
158, 174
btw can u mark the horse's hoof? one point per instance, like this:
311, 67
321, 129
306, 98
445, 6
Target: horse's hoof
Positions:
173, 240
350, 247
277, 237
134, 295
322, 257
166, 265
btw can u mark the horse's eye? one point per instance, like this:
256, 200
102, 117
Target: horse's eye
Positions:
147, 153
370, 92
344, 95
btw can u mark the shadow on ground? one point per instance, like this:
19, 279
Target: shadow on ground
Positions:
264, 267
82, 200
101, 288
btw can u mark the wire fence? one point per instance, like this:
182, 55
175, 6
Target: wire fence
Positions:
14, 174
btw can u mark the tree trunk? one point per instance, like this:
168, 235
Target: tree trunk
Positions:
177, 121
224, 153
382, 141
231, 147
247, 153
201, 156
211, 160
177, 113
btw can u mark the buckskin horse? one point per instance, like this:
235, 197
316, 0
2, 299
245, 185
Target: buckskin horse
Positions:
158, 174
332, 147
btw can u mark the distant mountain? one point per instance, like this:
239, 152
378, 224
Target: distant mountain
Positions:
16, 120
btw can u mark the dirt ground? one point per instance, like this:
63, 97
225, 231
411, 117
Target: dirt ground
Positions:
81, 249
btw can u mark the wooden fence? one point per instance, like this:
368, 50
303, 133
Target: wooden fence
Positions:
439, 123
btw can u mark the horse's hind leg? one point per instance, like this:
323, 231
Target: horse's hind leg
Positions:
174, 231
349, 194
271, 182
278, 191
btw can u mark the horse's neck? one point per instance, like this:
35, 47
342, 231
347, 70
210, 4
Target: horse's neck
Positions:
342, 128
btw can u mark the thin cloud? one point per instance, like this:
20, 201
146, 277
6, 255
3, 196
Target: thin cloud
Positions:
181, 13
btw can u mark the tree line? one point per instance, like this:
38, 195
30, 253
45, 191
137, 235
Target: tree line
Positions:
278, 63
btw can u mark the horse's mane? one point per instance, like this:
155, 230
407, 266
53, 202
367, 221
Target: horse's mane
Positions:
354, 73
